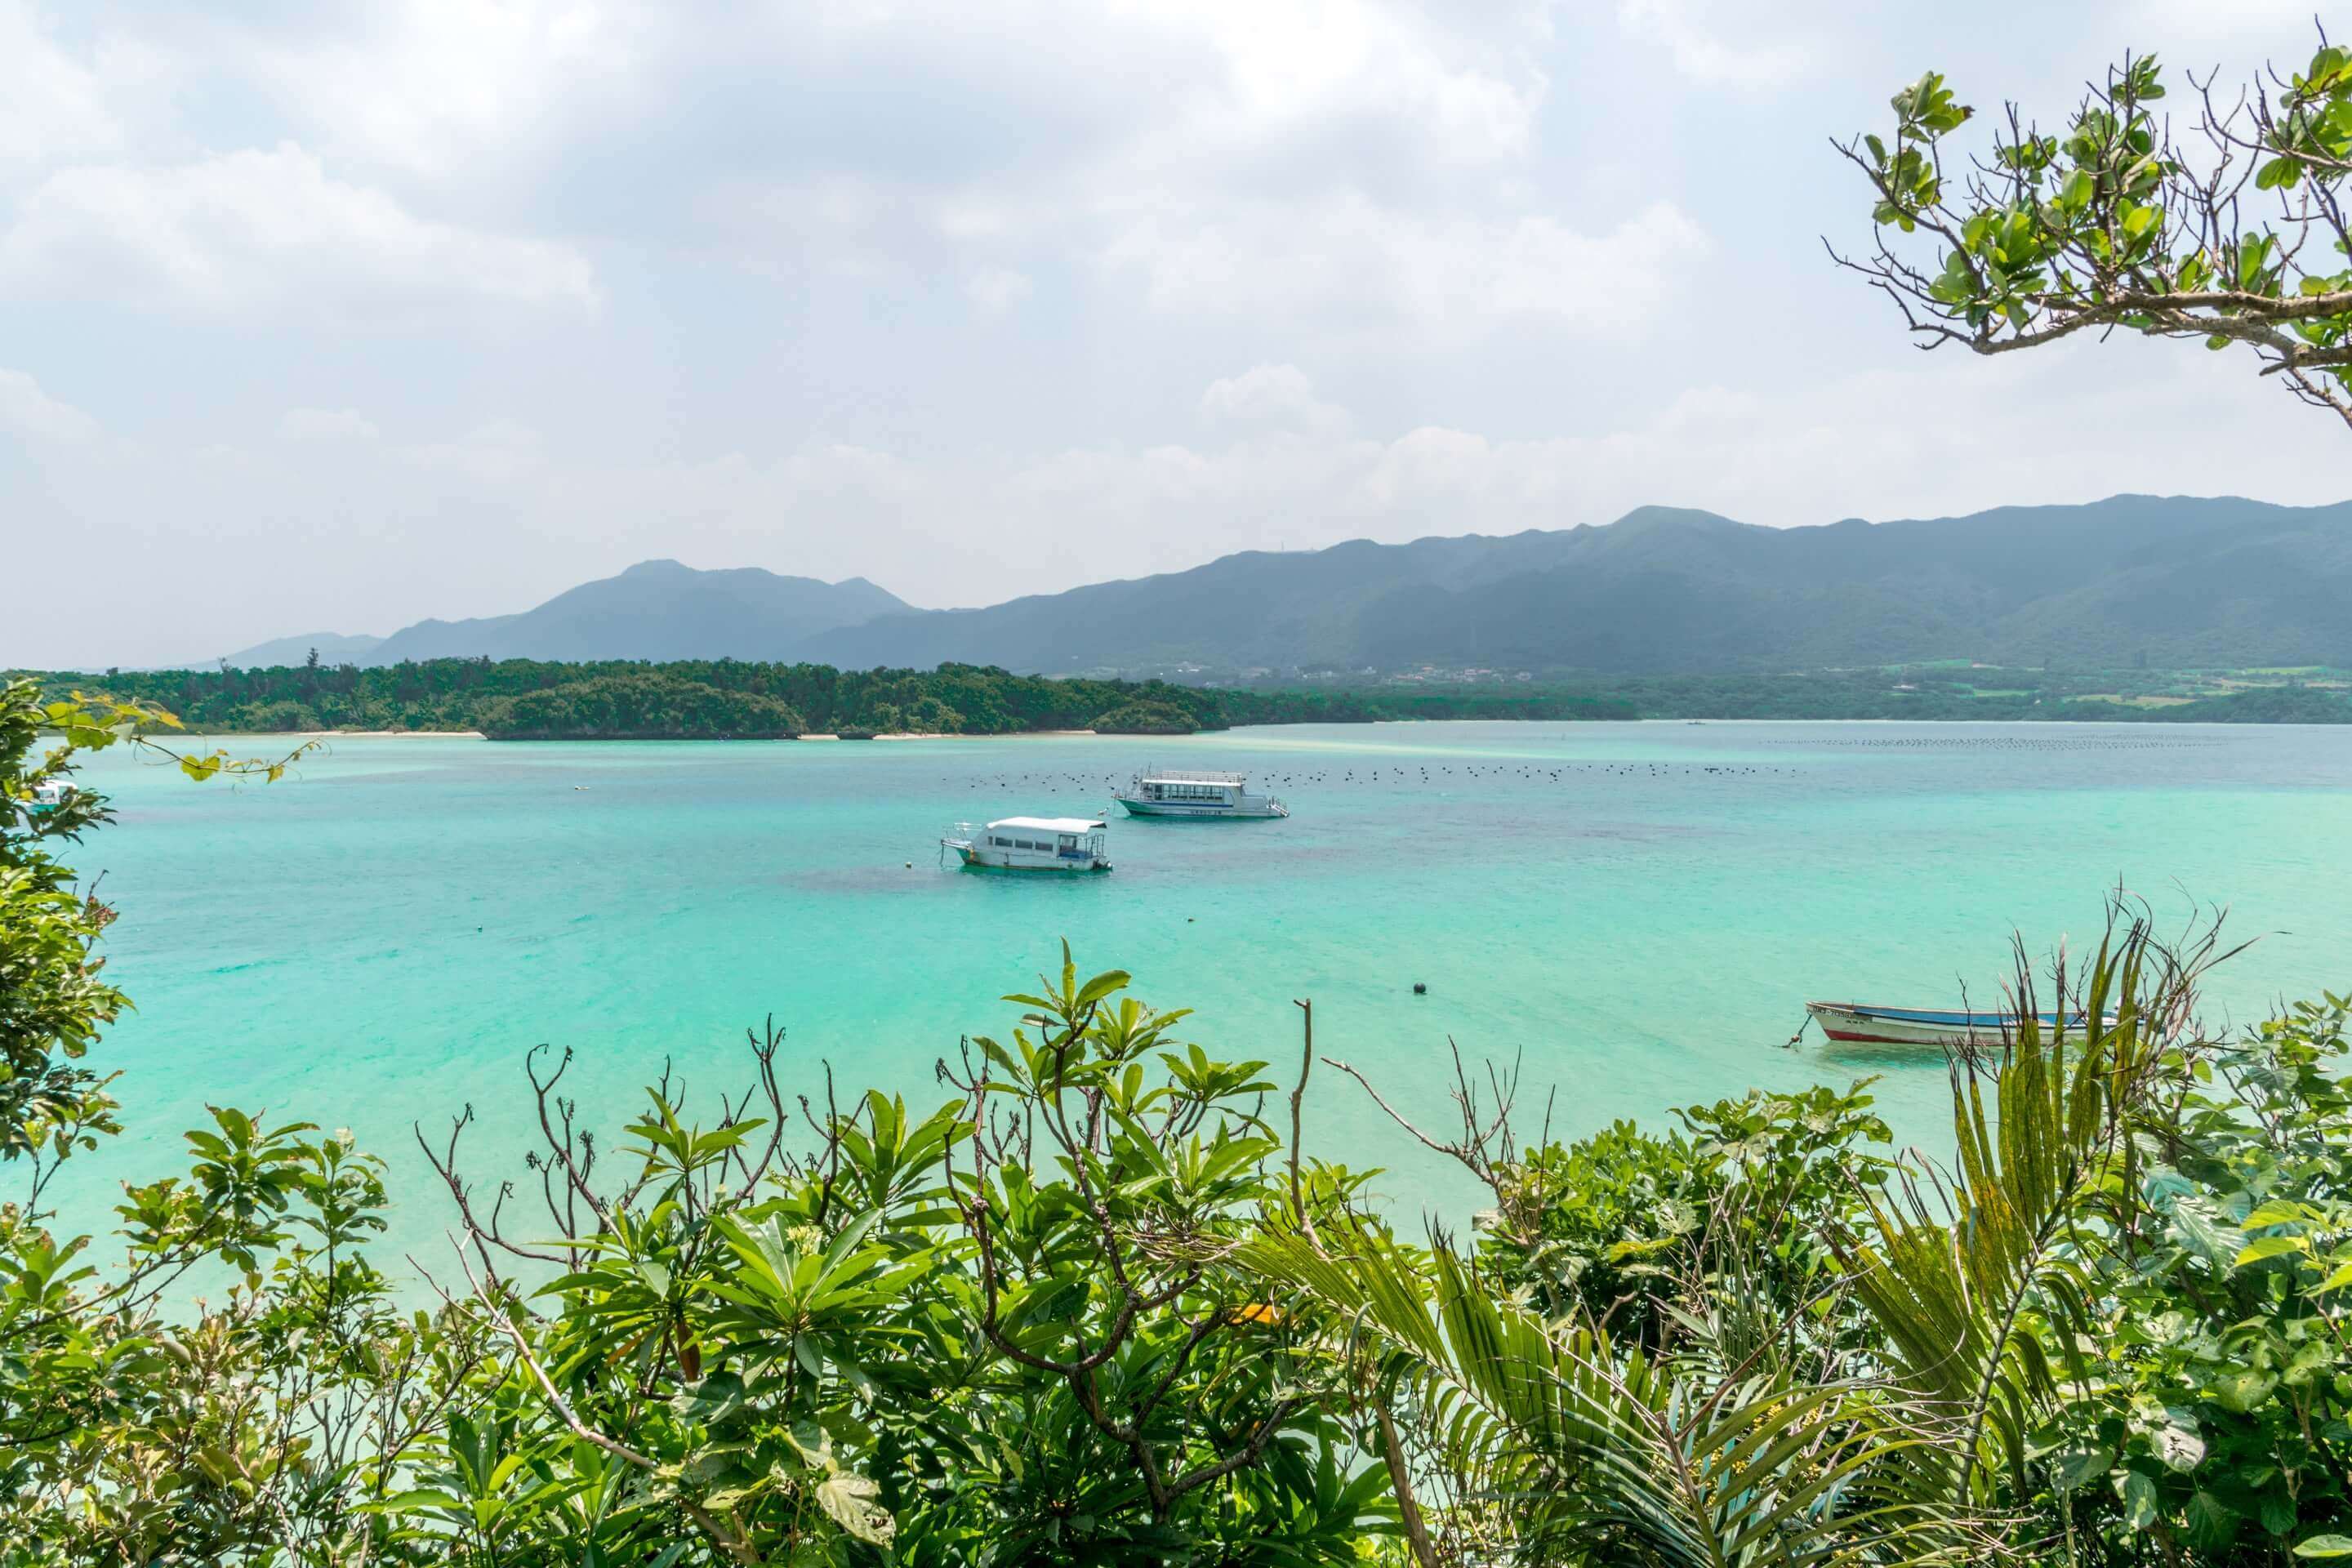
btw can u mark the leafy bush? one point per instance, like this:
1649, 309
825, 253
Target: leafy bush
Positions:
640, 707
2211, 1411
1610, 1230
275, 718
1144, 719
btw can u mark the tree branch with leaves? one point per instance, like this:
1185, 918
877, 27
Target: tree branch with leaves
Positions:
2233, 233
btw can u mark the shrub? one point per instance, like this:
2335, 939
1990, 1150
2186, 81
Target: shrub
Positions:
1145, 718
640, 707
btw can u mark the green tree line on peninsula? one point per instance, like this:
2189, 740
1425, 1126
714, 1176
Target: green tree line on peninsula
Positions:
532, 700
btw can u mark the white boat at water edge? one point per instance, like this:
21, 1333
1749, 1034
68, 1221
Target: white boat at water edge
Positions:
1857, 1023
1031, 844
1182, 792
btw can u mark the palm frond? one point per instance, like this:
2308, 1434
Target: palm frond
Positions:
1684, 1466
1984, 1303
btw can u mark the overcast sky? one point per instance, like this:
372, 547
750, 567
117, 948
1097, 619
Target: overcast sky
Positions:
335, 317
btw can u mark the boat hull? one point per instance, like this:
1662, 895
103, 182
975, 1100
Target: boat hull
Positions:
1852, 1023
975, 859
1257, 810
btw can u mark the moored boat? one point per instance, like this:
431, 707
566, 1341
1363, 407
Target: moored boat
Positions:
1031, 844
1187, 792
1856, 1023
51, 793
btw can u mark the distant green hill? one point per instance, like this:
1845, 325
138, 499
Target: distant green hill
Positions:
656, 610
332, 647
2178, 581
2168, 583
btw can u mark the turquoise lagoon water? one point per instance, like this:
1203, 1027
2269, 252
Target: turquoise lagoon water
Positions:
1633, 911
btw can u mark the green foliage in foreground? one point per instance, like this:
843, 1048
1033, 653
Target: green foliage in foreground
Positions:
1100, 1305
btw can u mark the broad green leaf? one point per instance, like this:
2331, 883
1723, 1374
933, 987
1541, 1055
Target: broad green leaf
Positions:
2072, 1470
2264, 1247
2178, 1443
849, 1499
2243, 1392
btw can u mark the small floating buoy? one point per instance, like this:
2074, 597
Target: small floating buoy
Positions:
1420, 988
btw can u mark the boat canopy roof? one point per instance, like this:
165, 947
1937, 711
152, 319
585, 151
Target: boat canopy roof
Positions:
1190, 776
1051, 824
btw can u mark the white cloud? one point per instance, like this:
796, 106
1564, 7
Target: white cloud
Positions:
28, 411
2280, 26
51, 103
1457, 276
1263, 119
1271, 395
429, 85
1696, 39
325, 424
998, 288
266, 227
498, 451
1288, 66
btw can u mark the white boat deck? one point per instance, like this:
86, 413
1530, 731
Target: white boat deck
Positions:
1195, 792
1031, 844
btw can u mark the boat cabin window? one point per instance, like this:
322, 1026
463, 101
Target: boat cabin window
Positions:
1217, 793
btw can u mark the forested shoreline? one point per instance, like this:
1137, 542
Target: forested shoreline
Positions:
532, 700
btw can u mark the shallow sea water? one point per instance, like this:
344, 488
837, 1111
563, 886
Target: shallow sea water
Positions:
1635, 912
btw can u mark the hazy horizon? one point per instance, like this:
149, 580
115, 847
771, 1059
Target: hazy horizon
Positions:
428, 309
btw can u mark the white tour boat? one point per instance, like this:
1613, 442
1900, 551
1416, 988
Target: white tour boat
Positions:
51, 793
1177, 792
1031, 844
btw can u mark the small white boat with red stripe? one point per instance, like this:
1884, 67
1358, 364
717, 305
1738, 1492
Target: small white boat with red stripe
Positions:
1859, 1023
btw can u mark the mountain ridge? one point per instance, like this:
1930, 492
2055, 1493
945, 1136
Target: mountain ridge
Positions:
657, 609
2176, 581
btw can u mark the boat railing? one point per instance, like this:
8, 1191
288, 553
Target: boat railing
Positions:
1190, 776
